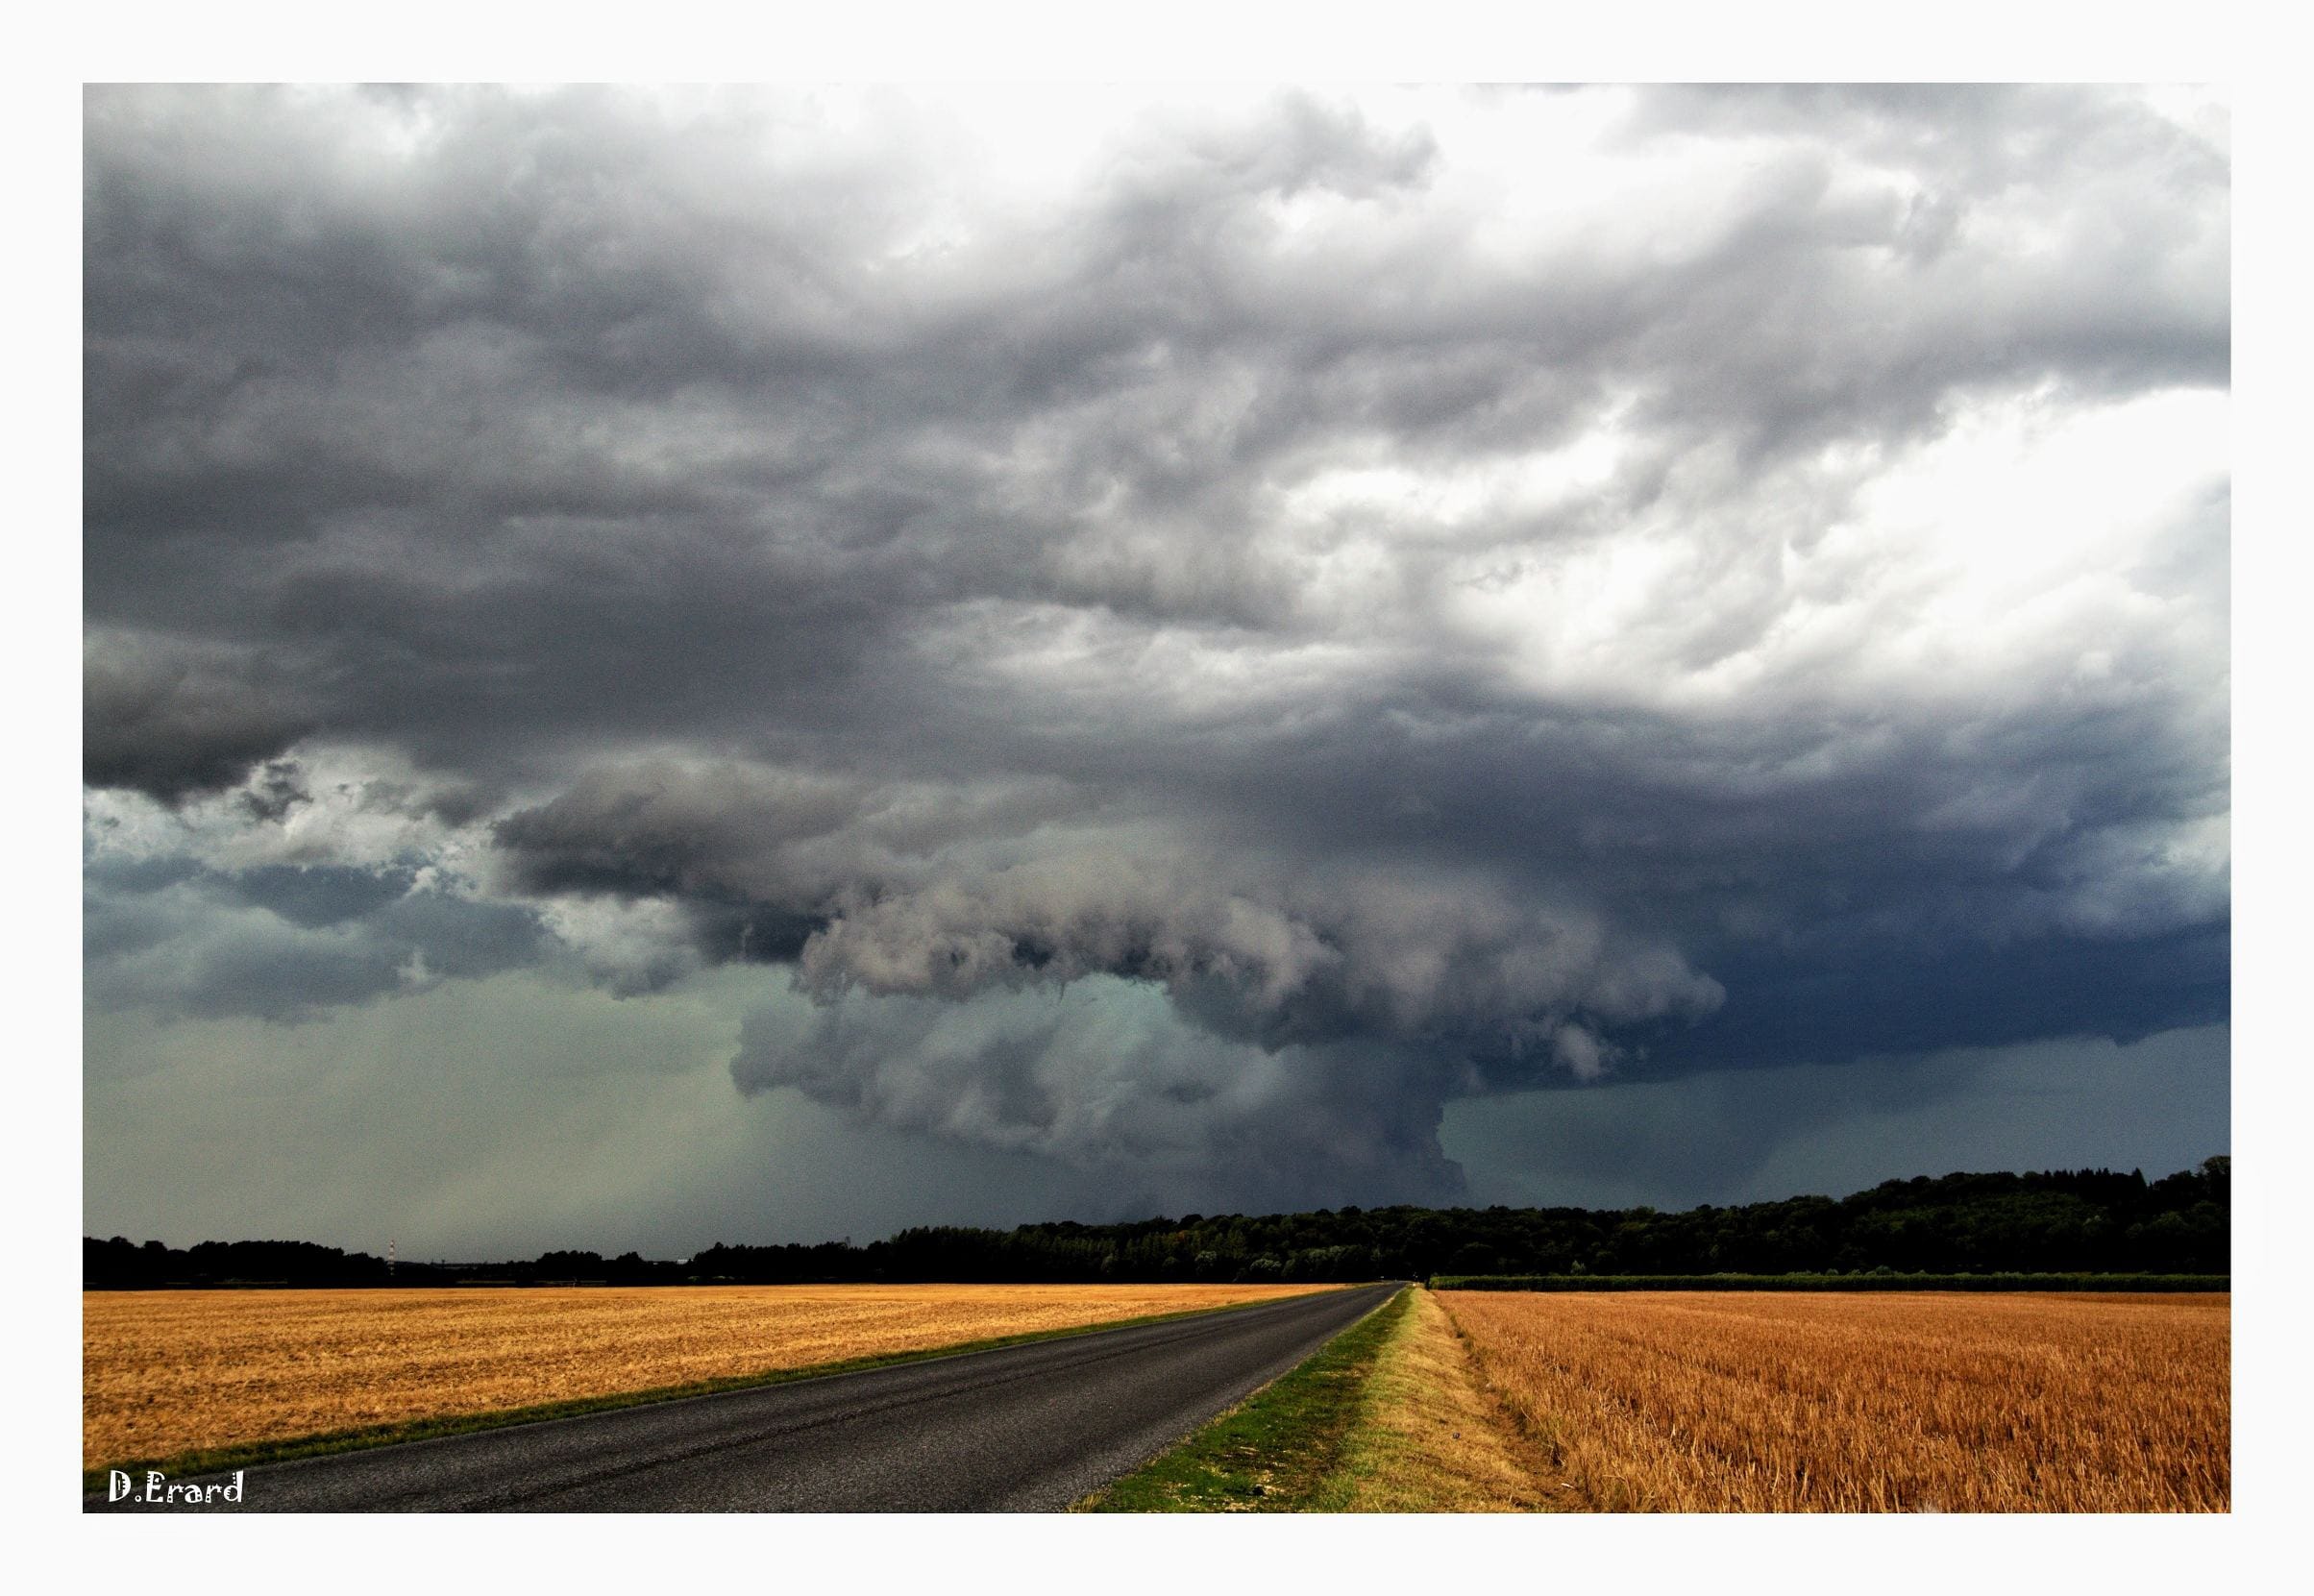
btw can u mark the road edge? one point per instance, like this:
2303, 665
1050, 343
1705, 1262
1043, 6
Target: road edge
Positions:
1272, 1451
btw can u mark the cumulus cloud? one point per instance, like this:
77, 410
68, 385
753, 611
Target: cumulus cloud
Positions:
1271, 959
1103, 1078
1402, 595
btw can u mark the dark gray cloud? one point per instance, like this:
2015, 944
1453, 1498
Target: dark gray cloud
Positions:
1410, 594
1104, 1079
170, 720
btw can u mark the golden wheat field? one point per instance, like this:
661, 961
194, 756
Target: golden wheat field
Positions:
168, 1372
1783, 1402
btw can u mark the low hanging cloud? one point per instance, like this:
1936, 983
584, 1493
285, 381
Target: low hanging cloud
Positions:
169, 720
1183, 635
1103, 1078
1277, 961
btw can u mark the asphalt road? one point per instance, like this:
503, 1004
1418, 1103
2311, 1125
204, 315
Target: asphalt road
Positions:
1023, 1429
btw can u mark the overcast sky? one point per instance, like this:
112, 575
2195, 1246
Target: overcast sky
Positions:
663, 668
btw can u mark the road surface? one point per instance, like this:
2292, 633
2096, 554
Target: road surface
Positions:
1021, 1429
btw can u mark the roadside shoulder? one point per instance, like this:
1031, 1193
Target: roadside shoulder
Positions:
1389, 1416
1273, 1451
1433, 1436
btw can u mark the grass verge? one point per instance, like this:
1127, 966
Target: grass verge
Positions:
1431, 1435
1274, 1451
249, 1455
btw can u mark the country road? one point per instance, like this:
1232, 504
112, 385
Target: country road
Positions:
1021, 1429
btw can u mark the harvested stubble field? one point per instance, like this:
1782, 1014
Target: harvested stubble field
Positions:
165, 1373
1773, 1402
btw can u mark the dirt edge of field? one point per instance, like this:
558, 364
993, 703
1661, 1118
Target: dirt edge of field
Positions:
252, 1453
1390, 1416
1433, 1436
1531, 1439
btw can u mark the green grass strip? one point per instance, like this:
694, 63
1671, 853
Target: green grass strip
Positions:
1273, 1451
1832, 1283
250, 1453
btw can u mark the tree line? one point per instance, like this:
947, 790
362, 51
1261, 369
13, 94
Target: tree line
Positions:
2066, 1222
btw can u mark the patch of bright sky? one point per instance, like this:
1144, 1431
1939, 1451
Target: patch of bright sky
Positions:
2202, 109
1408, 500
1962, 562
356, 813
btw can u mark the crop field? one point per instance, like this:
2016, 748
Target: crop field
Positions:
169, 1372
1783, 1402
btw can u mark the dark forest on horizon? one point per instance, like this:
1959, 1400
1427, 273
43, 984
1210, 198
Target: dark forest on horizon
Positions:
2057, 1222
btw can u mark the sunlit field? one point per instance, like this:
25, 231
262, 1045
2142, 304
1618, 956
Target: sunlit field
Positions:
1775, 1402
169, 1372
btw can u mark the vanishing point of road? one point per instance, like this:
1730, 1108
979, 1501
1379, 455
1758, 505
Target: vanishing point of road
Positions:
1021, 1428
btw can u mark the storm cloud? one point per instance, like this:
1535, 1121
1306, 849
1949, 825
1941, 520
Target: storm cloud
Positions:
1173, 637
